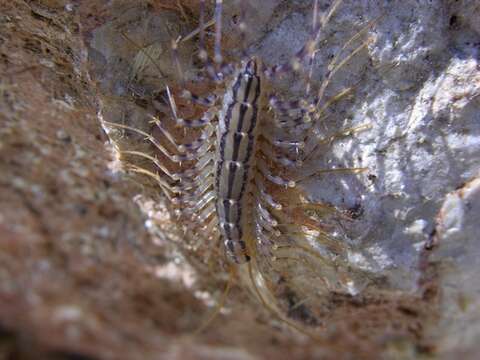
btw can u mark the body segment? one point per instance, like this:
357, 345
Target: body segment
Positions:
236, 133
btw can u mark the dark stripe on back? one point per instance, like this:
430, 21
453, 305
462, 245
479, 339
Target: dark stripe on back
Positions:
232, 228
244, 108
226, 207
227, 119
232, 170
250, 137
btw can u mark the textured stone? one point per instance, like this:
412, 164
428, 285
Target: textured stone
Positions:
80, 272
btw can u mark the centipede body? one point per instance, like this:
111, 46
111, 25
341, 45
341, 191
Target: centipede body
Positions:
237, 135
229, 160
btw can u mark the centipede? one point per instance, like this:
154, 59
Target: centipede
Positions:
228, 150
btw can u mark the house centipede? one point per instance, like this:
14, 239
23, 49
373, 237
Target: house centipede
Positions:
230, 159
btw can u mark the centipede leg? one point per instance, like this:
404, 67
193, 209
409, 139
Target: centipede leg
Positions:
216, 70
176, 158
307, 51
205, 135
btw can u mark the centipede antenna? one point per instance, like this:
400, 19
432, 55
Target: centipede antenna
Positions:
203, 52
176, 61
218, 31
308, 50
315, 15
213, 70
242, 27
312, 55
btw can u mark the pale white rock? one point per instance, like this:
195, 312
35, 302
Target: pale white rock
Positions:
417, 228
458, 249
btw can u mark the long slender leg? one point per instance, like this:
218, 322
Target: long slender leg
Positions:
205, 215
202, 202
294, 164
311, 56
205, 161
268, 174
310, 137
218, 69
199, 183
304, 126
301, 108
267, 207
309, 117
205, 101
264, 242
203, 55
290, 108
261, 188
154, 160
169, 191
293, 216
194, 193
315, 140
304, 118
266, 219
193, 145
307, 50
218, 32
222, 69
177, 158
176, 61
177, 194
273, 235
333, 68
285, 161
198, 180
188, 176
242, 27
199, 100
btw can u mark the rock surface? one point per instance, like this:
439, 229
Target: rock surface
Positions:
81, 274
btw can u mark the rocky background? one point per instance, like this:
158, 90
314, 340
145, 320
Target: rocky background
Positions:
83, 277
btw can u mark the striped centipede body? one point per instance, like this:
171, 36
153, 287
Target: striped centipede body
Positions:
237, 135
230, 163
